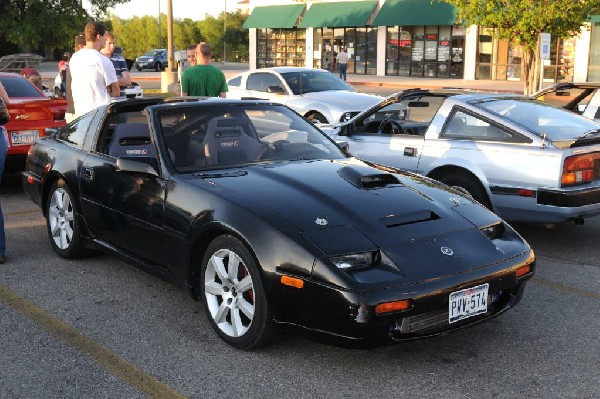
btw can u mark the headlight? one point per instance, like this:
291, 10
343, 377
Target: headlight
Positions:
150, 59
360, 260
493, 231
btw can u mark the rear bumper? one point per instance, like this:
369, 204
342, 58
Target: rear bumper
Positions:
569, 199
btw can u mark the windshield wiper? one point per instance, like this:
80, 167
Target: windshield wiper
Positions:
589, 133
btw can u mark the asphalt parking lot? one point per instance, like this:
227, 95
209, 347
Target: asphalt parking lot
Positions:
100, 328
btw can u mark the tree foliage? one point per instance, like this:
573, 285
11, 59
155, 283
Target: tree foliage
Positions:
522, 21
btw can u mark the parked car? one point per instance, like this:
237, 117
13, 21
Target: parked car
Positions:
581, 98
156, 59
316, 94
31, 113
524, 159
266, 221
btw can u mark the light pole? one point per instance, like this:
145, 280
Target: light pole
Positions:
159, 24
224, 30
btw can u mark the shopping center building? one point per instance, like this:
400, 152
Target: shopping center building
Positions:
417, 38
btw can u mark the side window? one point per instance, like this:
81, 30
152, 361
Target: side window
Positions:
464, 126
571, 98
262, 81
75, 132
235, 82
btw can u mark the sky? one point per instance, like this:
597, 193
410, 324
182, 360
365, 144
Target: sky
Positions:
194, 9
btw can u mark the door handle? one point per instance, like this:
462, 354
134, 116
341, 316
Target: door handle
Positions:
87, 173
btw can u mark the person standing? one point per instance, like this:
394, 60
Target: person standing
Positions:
342, 60
93, 77
70, 113
118, 62
3, 149
203, 79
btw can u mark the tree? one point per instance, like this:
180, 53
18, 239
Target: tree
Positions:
522, 21
46, 25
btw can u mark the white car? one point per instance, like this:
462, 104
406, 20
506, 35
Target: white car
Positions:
316, 94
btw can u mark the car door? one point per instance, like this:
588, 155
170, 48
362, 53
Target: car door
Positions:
261, 85
123, 208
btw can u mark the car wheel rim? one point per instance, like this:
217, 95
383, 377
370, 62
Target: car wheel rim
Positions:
60, 218
229, 293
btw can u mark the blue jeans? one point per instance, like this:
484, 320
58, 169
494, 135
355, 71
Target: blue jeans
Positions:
343, 68
3, 149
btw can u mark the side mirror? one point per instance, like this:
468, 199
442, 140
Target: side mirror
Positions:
143, 165
275, 90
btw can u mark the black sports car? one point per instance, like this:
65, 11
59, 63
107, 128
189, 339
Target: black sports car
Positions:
270, 223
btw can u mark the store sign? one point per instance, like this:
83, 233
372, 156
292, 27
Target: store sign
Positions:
431, 36
545, 46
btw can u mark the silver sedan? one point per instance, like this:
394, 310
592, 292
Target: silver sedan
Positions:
316, 94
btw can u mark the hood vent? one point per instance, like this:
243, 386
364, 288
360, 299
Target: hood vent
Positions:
409, 218
363, 177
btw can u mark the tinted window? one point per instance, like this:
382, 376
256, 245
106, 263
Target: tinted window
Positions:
262, 81
312, 81
541, 118
75, 132
20, 87
236, 82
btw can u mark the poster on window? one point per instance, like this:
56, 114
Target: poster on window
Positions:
417, 51
443, 54
430, 50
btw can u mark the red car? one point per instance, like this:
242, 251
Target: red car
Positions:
31, 112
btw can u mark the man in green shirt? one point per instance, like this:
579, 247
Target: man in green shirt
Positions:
203, 79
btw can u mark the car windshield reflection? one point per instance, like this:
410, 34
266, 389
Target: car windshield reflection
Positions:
314, 81
197, 138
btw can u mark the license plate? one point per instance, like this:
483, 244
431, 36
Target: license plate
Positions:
23, 137
468, 303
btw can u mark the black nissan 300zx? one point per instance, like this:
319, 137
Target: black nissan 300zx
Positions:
269, 223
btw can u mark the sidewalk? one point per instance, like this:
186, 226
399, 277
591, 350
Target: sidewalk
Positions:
48, 70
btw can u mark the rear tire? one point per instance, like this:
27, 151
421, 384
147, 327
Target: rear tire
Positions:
233, 294
471, 185
62, 222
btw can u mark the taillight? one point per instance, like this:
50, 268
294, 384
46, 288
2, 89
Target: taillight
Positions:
58, 115
578, 169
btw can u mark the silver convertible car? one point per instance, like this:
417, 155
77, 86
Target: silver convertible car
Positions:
316, 94
524, 159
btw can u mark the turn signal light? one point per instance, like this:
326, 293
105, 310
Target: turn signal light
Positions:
292, 281
523, 270
396, 306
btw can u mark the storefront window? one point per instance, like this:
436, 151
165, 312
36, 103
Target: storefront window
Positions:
360, 44
593, 74
431, 51
280, 47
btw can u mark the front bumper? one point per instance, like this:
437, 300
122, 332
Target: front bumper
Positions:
351, 316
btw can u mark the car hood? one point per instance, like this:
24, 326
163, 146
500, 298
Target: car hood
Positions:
346, 207
344, 100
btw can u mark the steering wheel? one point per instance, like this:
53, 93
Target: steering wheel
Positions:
390, 126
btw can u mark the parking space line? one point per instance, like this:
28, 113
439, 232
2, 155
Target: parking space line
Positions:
110, 361
565, 288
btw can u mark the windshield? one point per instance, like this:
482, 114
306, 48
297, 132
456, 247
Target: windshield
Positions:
153, 53
312, 81
201, 137
541, 119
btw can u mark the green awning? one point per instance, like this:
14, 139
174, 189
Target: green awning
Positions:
338, 15
595, 18
414, 13
284, 16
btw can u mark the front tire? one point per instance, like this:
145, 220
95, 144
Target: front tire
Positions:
158, 67
62, 222
234, 297
469, 184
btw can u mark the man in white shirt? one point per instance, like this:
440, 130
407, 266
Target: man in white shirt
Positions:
93, 77
342, 60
